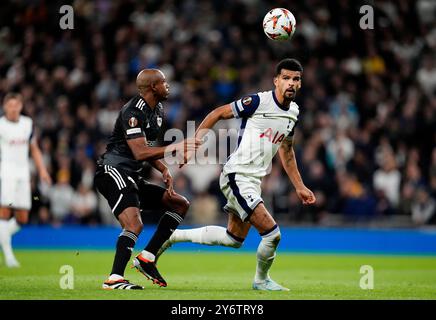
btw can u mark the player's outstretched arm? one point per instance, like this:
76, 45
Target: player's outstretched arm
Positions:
143, 152
39, 162
221, 113
287, 156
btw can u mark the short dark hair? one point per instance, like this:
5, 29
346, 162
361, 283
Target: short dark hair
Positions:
12, 95
289, 64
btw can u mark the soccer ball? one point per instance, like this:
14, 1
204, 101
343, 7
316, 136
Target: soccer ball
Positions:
279, 24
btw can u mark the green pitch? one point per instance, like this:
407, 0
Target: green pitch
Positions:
214, 275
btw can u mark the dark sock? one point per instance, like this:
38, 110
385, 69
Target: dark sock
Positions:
167, 224
126, 242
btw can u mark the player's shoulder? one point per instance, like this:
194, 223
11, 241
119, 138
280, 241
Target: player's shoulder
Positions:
134, 106
265, 97
294, 106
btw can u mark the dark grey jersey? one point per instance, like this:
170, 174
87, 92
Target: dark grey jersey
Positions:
136, 119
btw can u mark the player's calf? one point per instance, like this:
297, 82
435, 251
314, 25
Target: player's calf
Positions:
209, 235
266, 253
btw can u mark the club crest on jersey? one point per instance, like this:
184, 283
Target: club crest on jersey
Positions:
133, 122
247, 100
159, 121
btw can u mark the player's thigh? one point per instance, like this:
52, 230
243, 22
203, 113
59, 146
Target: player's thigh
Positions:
151, 196
261, 219
120, 192
243, 194
238, 227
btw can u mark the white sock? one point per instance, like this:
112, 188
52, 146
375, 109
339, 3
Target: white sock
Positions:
13, 226
115, 277
266, 253
209, 235
148, 255
5, 240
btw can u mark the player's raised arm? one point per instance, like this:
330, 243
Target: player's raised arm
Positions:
141, 151
287, 156
221, 113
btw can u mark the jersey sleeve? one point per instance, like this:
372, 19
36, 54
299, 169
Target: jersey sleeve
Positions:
133, 124
291, 134
245, 107
32, 130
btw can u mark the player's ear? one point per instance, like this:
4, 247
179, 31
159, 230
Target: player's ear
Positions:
275, 80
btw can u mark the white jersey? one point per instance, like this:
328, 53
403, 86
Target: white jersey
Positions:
14, 148
265, 124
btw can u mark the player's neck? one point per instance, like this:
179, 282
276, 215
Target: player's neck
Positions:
12, 118
283, 103
150, 99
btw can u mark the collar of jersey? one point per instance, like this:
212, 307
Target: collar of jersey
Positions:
147, 106
278, 103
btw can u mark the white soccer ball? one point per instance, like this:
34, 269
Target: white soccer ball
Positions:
279, 24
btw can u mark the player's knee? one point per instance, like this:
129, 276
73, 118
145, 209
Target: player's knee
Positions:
136, 228
181, 205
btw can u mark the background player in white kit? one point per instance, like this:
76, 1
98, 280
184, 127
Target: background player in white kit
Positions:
16, 138
268, 121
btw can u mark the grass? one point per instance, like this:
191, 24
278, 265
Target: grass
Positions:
206, 275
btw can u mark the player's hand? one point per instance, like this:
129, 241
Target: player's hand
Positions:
306, 195
187, 156
168, 179
190, 146
45, 177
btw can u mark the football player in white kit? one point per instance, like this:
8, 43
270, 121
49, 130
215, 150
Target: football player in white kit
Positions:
16, 138
267, 126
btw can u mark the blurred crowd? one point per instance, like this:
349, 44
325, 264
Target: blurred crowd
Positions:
366, 136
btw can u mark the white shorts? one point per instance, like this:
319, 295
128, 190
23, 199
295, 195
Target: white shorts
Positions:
15, 194
243, 193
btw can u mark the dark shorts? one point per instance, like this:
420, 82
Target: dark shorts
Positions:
122, 191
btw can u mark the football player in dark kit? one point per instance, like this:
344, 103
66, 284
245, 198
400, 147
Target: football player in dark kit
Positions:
118, 179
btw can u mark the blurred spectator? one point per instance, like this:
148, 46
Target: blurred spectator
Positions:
60, 197
387, 180
340, 150
204, 210
423, 208
84, 204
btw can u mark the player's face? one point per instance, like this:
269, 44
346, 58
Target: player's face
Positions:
288, 83
162, 88
13, 109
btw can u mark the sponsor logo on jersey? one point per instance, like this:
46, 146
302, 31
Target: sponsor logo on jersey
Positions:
133, 122
247, 100
276, 138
